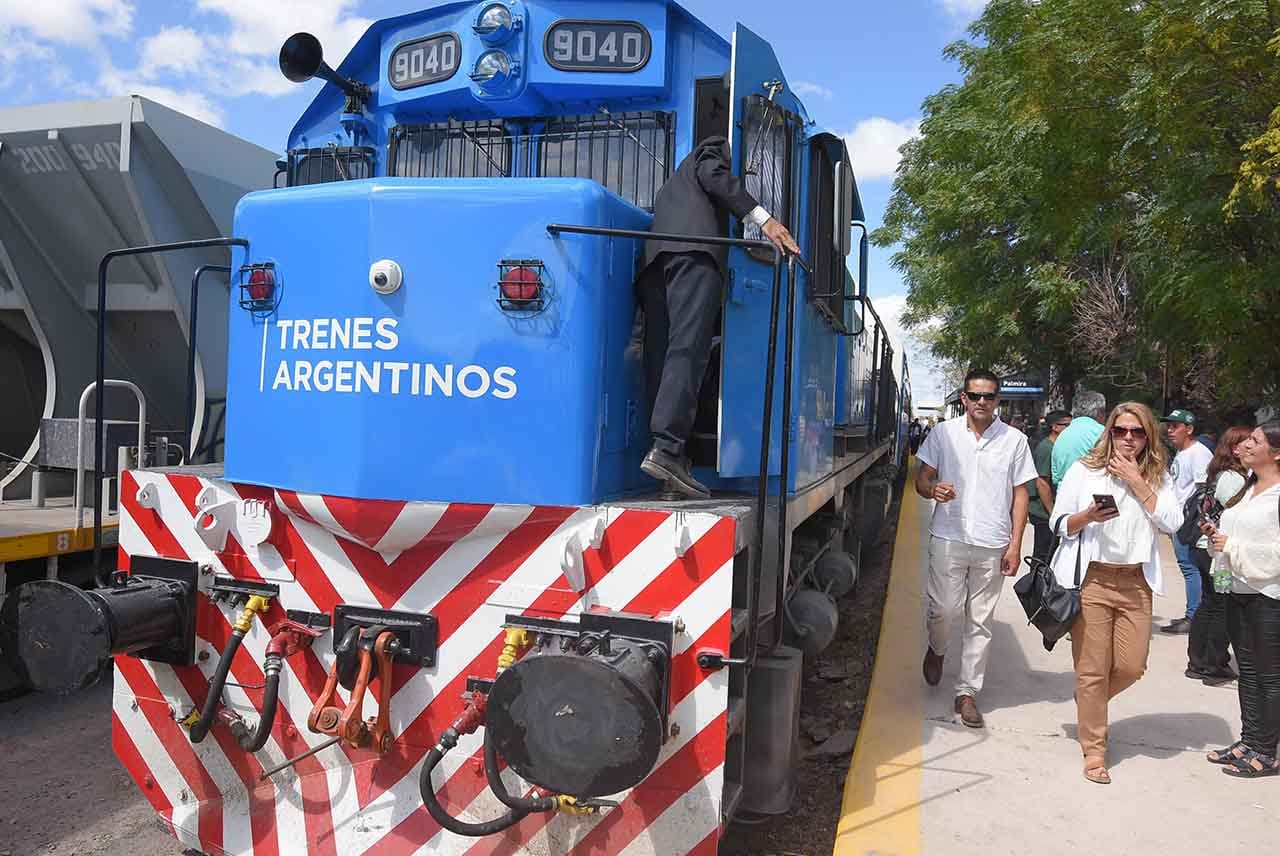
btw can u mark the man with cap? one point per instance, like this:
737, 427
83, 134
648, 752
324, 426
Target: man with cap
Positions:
1190, 468
680, 287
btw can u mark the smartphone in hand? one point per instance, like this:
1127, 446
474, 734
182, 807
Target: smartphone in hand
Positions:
1105, 501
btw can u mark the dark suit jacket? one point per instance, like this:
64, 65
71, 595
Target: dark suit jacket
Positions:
697, 200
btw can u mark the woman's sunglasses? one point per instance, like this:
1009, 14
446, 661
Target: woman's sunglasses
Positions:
1139, 433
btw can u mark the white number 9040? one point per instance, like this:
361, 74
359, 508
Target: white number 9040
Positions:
597, 46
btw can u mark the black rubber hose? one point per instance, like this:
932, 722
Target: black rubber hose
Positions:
201, 729
447, 821
499, 788
254, 740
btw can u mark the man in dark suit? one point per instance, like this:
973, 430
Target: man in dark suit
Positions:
680, 288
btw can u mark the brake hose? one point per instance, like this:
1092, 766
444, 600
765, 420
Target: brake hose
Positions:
499, 788
254, 740
448, 740
200, 729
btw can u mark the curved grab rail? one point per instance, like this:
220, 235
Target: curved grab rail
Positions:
99, 436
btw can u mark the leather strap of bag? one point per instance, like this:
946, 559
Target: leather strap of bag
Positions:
1056, 534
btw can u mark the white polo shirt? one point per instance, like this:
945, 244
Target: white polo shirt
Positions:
1190, 468
985, 471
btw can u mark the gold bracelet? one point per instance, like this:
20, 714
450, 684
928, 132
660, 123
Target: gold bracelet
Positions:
1148, 496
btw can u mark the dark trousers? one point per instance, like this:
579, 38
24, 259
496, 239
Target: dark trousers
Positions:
1253, 620
1207, 646
1042, 548
681, 294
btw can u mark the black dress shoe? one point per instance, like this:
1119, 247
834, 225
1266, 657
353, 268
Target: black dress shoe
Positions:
1217, 679
1178, 625
932, 667
670, 469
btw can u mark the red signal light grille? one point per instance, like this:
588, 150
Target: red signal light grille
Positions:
259, 288
522, 285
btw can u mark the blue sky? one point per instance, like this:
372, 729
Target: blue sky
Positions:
863, 67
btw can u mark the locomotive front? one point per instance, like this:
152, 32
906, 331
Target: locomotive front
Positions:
416, 606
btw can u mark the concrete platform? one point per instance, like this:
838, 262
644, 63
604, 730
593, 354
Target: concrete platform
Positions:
921, 783
28, 532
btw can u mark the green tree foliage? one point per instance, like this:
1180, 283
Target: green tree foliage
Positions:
1101, 194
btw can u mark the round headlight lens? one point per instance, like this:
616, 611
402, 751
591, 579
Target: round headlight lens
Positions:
492, 68
494, 23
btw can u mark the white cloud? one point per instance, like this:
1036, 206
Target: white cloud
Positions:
258, 28
190, 101
874, 143
927, 380
74, 22
965, 8
177, 49
804, 87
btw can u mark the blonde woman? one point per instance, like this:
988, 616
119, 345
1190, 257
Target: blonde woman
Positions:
1110, 507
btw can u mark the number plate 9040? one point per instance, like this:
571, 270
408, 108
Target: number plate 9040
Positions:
597, 46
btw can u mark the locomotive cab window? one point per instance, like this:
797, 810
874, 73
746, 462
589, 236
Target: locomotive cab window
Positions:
450, 150
628, 153
329, 163
767, 139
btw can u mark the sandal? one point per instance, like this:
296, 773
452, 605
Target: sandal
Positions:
1098, 775
1230, 755
1245, 769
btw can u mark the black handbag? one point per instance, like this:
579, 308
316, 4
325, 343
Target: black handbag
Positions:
1050, 606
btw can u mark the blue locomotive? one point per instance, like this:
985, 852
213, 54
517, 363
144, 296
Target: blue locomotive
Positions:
434, 423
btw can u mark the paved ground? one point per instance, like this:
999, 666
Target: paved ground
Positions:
62, 790
922, 783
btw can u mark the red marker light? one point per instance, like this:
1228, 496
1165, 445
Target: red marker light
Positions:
520, 284
261, 283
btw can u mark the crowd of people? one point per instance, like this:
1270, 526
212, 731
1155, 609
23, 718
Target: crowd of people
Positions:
1102, 489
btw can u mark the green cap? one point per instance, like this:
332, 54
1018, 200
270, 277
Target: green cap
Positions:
1184, 416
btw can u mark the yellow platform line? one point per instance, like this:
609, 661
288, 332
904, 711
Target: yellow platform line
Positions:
881, 810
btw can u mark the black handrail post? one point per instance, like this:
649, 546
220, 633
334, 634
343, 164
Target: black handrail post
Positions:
784, 475
100, 376
762, 490
191, 352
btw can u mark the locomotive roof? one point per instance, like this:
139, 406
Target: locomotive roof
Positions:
368, 44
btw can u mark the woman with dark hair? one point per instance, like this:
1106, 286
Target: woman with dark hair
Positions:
1247, 544
1110, 507
1208, 647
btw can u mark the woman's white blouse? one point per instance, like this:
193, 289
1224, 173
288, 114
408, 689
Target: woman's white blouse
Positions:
1126, 539
1076, 494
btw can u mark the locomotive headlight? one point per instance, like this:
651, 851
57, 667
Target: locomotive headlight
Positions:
495, 24
492, 69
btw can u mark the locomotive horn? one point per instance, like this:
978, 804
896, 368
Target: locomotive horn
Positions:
302, 58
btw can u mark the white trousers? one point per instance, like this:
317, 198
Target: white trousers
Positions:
964, 580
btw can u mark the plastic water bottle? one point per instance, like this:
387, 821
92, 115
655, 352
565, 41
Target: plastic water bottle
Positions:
1221, 577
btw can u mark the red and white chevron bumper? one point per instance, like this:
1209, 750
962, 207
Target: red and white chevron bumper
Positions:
468, 565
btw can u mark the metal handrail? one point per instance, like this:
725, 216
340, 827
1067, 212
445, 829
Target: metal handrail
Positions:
98, 436
100, 380
192, 440
771, 361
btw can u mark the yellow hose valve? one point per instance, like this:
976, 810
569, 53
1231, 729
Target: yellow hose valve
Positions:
190, 719
256, 604
515, 639
569, 805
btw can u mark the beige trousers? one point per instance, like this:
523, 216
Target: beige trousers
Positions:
964, 584
1109, 643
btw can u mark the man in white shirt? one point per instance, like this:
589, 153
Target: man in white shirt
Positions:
1190, 468
977, 469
